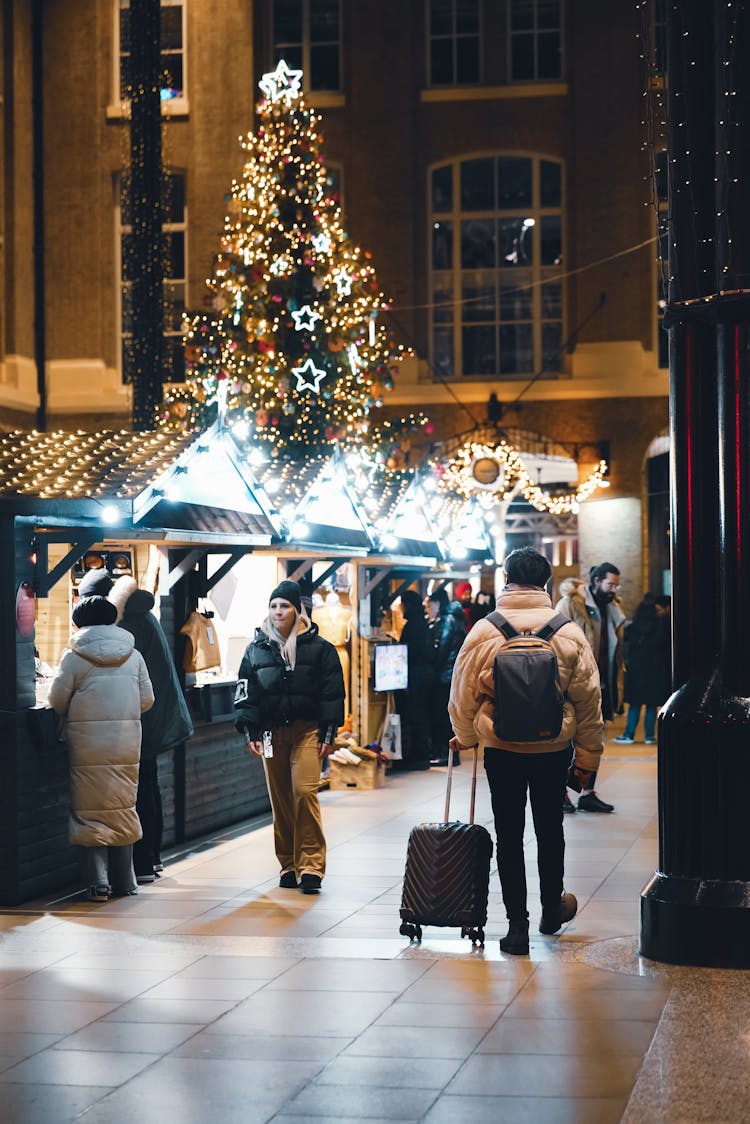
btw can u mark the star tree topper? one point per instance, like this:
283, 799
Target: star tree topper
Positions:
281, 84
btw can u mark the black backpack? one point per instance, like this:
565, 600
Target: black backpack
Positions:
528, 695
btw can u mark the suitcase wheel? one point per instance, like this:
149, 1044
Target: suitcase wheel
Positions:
476, 936
413, 932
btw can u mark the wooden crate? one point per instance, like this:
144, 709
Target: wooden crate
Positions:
367, 775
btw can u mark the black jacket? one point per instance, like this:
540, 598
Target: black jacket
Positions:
449, 631
167, 723
270, 695
646, 654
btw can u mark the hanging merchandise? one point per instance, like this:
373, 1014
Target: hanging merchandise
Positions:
390, 738
202, 647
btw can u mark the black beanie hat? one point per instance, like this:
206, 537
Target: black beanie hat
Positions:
95, 583
94, 610
290, 592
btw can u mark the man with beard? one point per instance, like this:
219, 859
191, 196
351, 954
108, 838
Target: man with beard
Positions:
594, 609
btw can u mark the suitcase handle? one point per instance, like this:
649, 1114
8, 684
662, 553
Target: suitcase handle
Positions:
450, 781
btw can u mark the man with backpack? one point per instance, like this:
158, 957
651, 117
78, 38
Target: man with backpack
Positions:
525, 687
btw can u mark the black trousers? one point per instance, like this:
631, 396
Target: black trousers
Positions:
510, 776
147, 850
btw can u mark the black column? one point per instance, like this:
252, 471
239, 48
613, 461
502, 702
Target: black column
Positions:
696, 908
146, 259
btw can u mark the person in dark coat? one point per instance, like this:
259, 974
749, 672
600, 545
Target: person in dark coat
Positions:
415, 703
448, 634
645, 654
165, 726
290, 690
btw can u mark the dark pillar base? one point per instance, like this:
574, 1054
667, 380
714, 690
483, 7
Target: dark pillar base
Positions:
695, 921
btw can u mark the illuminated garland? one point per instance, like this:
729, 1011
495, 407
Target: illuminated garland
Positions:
295, 335
494, 473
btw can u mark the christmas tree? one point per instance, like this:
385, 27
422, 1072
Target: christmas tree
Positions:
295, 352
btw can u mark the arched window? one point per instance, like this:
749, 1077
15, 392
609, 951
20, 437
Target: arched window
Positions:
496, 297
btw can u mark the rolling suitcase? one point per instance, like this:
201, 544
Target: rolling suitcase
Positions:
447, 876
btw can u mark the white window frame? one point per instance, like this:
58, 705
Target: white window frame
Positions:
168, 107
169, 283
535, 36
539, 273
306, 46
454, 37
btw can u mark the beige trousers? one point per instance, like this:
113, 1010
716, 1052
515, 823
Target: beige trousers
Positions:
293, 774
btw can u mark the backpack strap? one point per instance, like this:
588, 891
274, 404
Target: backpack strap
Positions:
552, 625
502, 624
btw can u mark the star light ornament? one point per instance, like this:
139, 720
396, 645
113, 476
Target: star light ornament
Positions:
343, 282
281, 84
321, 244
305, 318
304, 383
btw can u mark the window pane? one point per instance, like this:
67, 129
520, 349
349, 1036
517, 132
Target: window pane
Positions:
467, 16
292, 55
514, 183
522, 60
478, 298
174, 359
324, 68
324, 21
174, 254
550, 240
478, 185
441, 17
442, 298
516, 349
548, 46
442, 188
516, 295
478, 244
521, 15
552, 347
442, 245
442, 350
171, 27
170, 78
441, 62
516, 242
174, 305
467, 60
125, 44
173, 198
479, 351
287, 21
550, 184
552, 300
548, 14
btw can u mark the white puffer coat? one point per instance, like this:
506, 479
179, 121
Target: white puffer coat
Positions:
102, 687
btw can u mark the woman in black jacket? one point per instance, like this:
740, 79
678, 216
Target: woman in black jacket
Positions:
290, 691
645, 651
449, 633
415, 703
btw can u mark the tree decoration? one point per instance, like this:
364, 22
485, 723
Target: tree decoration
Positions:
295, 332
494, 473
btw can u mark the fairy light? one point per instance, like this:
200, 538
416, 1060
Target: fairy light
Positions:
470, 473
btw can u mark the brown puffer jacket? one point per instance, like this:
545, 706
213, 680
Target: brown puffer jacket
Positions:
102, 687
471, 705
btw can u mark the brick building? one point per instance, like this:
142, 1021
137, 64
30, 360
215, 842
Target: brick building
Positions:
489, 154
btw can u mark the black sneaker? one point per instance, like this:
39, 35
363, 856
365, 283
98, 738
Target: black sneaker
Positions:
591, 803
288, 881
553, 919
310, 883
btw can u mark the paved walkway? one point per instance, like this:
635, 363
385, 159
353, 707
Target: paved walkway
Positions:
215, 996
